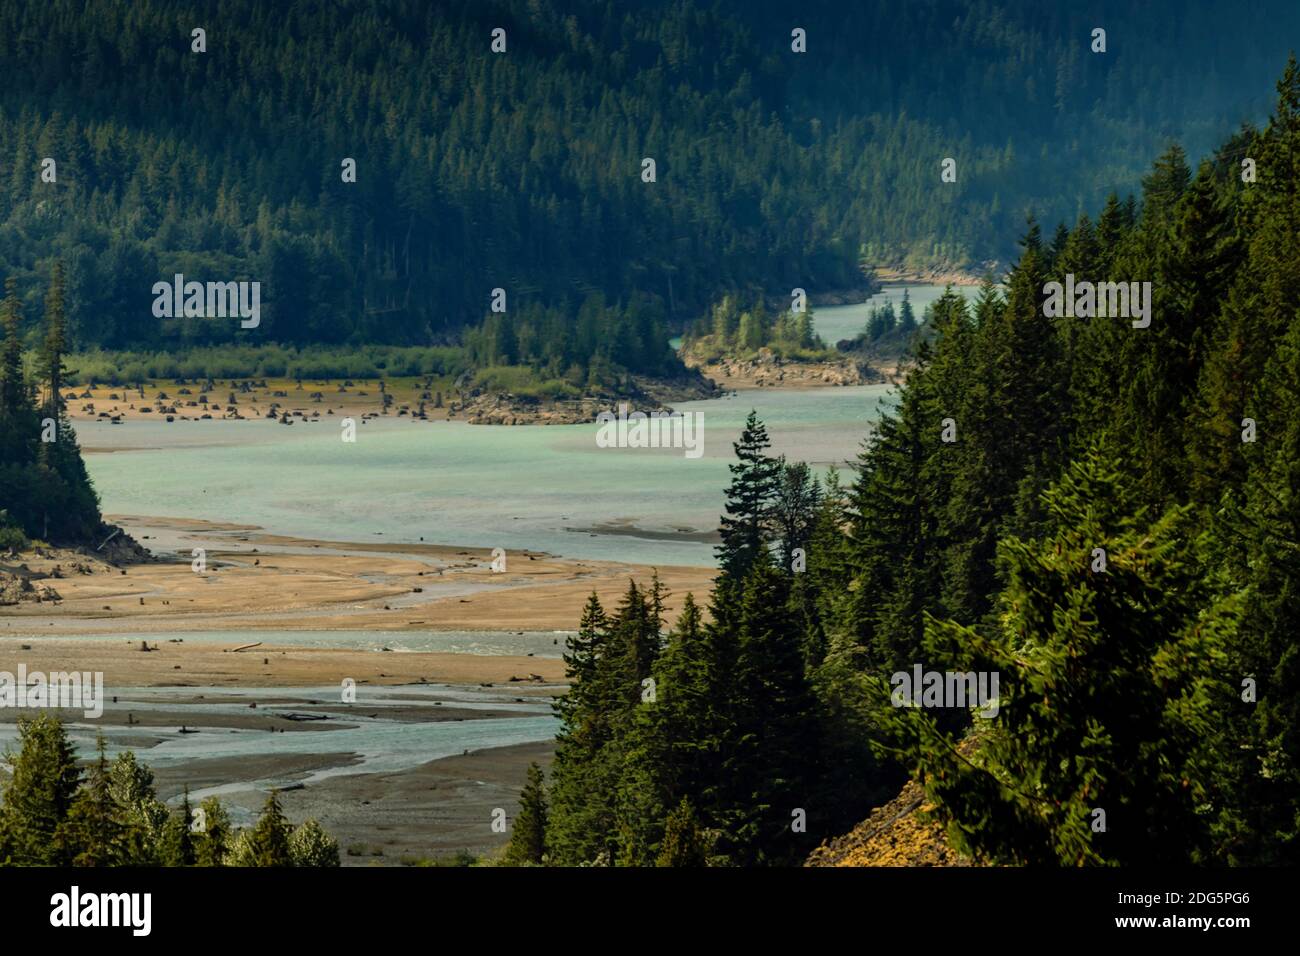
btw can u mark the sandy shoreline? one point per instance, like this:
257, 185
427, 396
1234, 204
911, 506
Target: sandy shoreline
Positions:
287, 595
187, 664
256, 589
162, 399
289, 402
257, 581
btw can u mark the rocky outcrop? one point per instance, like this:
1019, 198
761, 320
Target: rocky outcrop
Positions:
22, 573
898, 834
766, 370
478, 407
17, 588
502, 408
903, 832
117, 547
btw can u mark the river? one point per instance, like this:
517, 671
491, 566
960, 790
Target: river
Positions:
547, 488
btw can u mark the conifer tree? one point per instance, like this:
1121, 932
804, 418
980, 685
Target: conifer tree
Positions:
675, 740
637, 632
685, 844
268, 841
607, 662
95, 833
794, 510
822, 591
38, 794
579, 819
44, 487
131, 784
176, 842
1108, 687
1162, 189
1191, 245
892, 520
528, 834
55, 344
212, 841
746, 525
906, 317
771, 740
13, 390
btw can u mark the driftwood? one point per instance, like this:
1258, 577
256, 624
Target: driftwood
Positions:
305, 716
244, 647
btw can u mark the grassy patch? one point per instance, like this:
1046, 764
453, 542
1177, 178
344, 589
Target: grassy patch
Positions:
524, 382
266, 362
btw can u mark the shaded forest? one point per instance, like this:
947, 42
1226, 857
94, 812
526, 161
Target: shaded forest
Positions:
45, 491
522, 170
1107, 517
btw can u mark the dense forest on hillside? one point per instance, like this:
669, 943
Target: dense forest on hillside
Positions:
731, 328
45, 492
887, 331
1106, 516
522, 170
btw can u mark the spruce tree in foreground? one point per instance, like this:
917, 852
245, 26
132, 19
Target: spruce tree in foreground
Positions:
674, 741
745, 528
1110, 690
176, 841
212, 841
131, 783
95, 833
38, 794
268, 841
581, 817
528, 835
770, 745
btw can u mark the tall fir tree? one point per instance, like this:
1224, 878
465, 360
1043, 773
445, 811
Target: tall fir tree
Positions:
39, 793
528, 833
1109, 687
746, 525
268, 841
95, 833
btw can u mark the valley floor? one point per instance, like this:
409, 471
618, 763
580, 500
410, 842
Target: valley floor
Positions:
195, 663
252, 580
